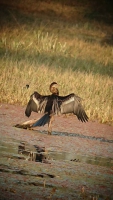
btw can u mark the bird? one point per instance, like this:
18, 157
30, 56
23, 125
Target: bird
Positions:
54, 104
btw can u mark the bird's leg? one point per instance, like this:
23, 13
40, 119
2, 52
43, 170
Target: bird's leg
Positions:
50, 125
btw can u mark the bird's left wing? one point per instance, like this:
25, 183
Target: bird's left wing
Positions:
71, 104
60, 101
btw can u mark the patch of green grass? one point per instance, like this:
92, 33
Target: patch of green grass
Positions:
36, 49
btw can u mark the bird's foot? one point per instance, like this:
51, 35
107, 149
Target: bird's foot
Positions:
49, 133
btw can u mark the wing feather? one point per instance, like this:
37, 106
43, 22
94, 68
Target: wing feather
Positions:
37, 103
72, 104
41, 101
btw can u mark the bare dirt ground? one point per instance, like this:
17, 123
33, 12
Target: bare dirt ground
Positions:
75, 162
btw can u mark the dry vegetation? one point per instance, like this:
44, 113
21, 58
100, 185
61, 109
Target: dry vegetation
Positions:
45, 41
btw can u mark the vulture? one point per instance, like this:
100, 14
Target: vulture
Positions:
54, 104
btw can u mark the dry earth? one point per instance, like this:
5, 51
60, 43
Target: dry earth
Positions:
75, 162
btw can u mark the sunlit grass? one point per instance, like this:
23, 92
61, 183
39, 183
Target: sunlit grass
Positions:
95, 90
38, 51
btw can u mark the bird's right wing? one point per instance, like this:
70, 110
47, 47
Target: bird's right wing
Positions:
37, 103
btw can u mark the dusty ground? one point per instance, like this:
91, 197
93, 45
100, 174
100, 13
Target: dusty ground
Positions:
76, 161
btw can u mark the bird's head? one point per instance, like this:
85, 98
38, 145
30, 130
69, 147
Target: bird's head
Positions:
54, 88
53, 85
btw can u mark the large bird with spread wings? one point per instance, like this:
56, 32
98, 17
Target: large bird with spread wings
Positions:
54, 104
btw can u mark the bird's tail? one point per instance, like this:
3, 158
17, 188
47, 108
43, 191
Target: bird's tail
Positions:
42, 121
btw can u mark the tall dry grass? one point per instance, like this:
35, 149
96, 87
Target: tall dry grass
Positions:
36, 50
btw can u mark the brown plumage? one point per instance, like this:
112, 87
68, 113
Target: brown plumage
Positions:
54, 88
53, 104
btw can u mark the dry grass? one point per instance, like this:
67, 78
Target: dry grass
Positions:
36, 50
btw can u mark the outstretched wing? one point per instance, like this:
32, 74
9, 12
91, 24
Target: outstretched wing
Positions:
72, 104
37, 103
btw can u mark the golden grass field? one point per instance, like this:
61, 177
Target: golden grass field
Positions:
46, 41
